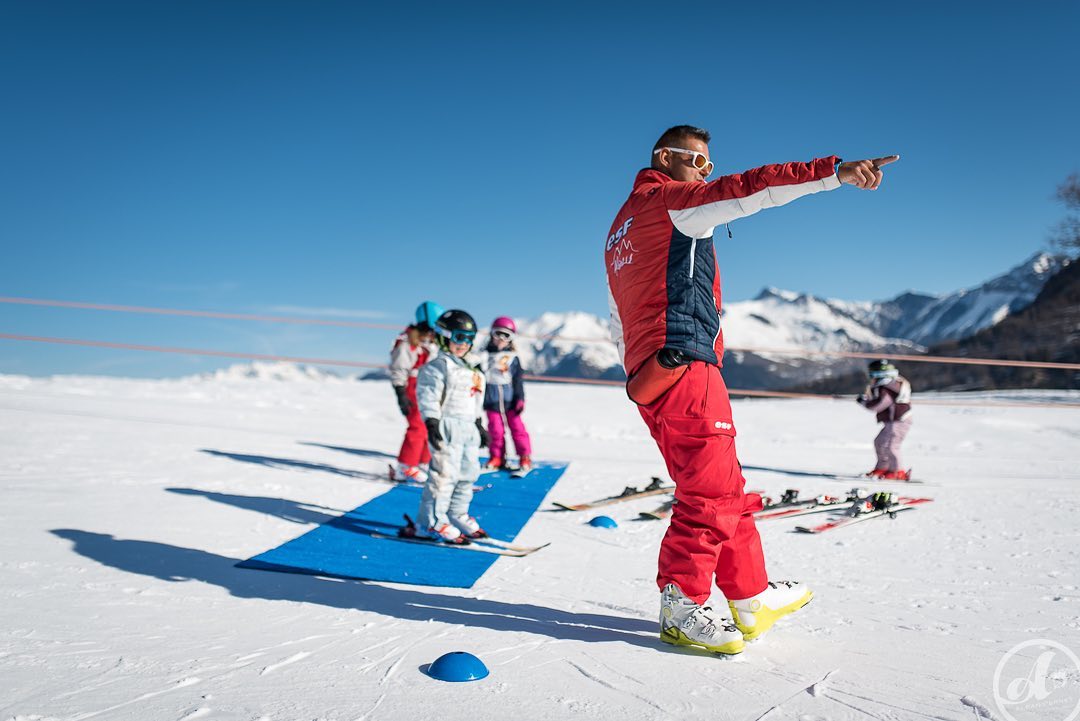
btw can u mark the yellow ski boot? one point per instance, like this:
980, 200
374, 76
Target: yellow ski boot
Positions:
685, 623
757, 614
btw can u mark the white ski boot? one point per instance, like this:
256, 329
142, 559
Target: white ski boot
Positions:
757, 614
445, 533
468, 526
685, 623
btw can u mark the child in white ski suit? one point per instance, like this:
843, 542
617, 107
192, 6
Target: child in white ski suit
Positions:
450, 391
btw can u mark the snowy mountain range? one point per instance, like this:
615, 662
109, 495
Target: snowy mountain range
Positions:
784, 320
578, 345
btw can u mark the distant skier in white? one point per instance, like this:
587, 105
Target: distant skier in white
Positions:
450, 392
889, 396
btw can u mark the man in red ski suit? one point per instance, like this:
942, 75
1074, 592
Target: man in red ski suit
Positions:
664, 293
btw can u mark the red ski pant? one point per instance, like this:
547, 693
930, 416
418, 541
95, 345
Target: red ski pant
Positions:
712, 531
414, 449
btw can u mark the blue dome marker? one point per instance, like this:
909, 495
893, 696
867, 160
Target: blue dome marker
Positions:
604, 522
458, 666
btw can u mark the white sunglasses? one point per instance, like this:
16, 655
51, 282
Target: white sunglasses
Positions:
698, 160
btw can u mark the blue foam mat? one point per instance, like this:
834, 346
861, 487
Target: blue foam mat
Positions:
344, 548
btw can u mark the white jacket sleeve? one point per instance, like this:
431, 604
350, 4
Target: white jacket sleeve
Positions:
430, 384
402, 360
616, 327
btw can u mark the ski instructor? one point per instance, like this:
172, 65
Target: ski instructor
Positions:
664, 293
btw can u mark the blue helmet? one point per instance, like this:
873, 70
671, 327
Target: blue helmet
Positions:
427, 313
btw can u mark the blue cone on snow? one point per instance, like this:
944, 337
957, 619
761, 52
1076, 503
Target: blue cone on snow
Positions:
458, 666
604, 522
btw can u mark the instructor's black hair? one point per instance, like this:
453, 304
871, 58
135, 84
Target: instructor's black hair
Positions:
678, 133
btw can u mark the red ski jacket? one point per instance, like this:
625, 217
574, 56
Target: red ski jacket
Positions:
663, 280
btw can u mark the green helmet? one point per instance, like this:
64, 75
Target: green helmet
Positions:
882, 371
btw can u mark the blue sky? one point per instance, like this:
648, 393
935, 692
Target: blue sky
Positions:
260, 156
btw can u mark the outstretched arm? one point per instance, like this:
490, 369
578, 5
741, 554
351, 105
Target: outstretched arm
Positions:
864, 174
697, 208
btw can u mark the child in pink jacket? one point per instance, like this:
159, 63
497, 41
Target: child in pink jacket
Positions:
889, 396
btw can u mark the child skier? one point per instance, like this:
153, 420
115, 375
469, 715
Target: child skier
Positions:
889, 396
451, 395
412, 349
504, 399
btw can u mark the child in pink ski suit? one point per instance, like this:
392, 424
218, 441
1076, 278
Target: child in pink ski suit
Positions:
504, 399
889, 396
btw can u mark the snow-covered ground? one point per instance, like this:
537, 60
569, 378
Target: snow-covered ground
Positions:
119, 598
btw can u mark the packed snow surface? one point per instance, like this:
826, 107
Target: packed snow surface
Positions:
119, 597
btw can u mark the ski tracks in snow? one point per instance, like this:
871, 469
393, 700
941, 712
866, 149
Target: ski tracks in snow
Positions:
291, 659
824, 690
182, 683
618, 688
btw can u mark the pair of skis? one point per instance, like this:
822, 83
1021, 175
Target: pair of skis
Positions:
857, 506
788, 506
485, 544
866, 477
630, 493
481, 545
880, 505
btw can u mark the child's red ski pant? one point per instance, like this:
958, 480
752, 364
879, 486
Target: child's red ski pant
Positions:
414, 449
712, 531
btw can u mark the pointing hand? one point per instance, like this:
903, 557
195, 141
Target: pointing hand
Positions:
864, 174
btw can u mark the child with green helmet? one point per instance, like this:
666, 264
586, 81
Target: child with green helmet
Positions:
889, 396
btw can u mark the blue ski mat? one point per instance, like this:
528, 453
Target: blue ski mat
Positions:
344, 548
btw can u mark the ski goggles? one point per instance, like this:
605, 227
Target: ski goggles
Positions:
698, 160
502, 334
464, 337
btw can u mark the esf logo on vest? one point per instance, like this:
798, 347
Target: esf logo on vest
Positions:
619, 234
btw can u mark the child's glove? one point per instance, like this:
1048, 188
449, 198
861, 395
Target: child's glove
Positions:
519, 406
860, 399
485, 437
434, 436
403, 401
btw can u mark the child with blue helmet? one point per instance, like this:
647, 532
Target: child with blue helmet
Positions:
412, 349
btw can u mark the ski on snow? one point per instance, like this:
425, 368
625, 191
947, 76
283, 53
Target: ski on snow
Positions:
865, 511
788, 506
867, 478
807, 506
481, 545
487, 544
655, 488
659, 513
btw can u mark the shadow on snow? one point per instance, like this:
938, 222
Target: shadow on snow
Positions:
272, 462
295, 511
177, 564
365, 452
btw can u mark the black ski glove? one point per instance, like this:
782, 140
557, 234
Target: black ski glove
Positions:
861, 400
403, 401
434, 436
485, 437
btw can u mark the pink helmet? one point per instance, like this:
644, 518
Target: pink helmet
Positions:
505, 323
